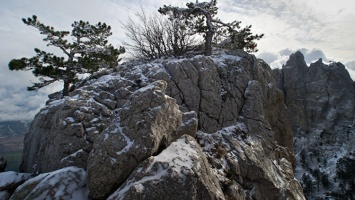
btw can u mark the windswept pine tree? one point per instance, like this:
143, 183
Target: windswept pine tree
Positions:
88, 53
201, 18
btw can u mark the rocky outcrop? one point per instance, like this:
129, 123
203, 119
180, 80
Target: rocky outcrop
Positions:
119, 125
318, 96
182, 169
66, 183
245, 169
321, 100
146, 125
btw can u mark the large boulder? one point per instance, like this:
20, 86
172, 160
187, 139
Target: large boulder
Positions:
181, 171
66, 183
145, 126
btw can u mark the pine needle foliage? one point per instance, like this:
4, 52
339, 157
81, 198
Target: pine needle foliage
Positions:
88, 52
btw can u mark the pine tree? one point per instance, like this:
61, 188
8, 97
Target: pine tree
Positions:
200, 18
88, 53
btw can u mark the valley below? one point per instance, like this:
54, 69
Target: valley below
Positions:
11, 142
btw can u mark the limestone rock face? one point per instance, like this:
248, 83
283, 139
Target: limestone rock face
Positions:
214, 89
245, 169
182, 169
119, 125
148, 123
321, 100
66, 183
316, 94
62, 133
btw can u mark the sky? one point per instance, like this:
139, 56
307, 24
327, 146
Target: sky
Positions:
318, 28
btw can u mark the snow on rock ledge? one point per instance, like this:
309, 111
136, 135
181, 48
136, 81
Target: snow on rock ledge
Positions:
9, 181
66, 183
181, 171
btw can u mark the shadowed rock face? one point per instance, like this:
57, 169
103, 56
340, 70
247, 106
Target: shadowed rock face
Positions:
321, 100
115, 123
318, 95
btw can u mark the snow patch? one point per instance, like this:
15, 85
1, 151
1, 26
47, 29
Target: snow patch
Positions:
221, 60
7, 178
72, 155
70, 181
179, 154
129, 142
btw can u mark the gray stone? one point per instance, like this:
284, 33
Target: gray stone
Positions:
113, 122
316, 94
146, 125
214, 86
321, 102
189, 124
62, 133
241, 161
181, 171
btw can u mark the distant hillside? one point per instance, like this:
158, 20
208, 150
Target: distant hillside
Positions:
11, 142
9, 128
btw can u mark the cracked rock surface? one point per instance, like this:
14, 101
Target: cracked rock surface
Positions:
122, 128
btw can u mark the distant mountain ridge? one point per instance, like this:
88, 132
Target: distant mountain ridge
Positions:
321, 100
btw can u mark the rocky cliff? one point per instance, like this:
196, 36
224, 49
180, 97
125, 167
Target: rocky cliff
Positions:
321, 100
195, 128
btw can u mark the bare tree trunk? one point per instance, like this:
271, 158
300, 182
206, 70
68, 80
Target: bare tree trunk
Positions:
208, 43
209, 33
66, 88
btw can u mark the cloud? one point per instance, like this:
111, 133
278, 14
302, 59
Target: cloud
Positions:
351, 65
276, 60
286, 52
268, 57
17, 103
313, 55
